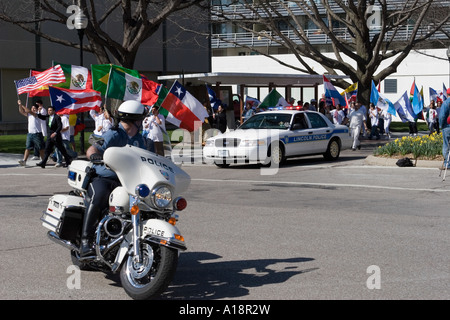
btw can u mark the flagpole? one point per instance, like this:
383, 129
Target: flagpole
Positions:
17, 91
106, 92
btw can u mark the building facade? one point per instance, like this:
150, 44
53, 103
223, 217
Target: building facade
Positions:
170, 50
232, 45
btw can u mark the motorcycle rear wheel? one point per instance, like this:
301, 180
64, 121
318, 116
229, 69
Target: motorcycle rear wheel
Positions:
150, 278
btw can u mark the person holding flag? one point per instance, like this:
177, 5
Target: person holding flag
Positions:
155, 127
357, 118
445, 127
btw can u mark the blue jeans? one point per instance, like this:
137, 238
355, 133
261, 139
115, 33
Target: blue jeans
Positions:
374, 132
69, 150
445, 137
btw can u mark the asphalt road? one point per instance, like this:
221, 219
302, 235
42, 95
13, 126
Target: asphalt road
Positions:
314, 230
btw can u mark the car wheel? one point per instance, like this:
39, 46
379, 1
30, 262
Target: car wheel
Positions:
333, 150
222, 164
275, 154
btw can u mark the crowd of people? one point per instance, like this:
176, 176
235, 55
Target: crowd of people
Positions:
45, 122
372, 122
52, 136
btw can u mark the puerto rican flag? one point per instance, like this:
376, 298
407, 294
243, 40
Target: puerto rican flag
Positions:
50, 76
68, 101
331, 92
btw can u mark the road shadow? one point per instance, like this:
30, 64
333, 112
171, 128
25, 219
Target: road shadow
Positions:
199, 279
4, 196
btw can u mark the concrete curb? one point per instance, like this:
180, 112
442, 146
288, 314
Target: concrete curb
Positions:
380, 161
12, 160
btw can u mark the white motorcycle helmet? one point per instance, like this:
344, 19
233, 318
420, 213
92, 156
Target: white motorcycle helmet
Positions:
131, 110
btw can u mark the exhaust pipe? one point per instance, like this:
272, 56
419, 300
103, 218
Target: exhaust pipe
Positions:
55, 238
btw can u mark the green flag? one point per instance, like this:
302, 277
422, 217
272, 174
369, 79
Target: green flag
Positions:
123, 86
100, 75
163, 91
77, 77
273, 99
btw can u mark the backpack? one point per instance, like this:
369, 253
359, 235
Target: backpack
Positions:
405, 162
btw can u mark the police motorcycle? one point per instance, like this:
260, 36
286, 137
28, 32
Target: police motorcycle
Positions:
137, 235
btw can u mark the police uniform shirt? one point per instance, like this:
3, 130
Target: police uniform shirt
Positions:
116, 138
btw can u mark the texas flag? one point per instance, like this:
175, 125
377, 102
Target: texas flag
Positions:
331, 92
214, 101
68, 101
184, 107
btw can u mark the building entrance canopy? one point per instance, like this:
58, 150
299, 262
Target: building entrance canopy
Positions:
251, 79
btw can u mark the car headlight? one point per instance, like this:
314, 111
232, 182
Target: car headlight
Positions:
209, 143
161, 196
253, 143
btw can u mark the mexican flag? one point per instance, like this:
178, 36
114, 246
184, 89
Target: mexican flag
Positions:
100, 75
273, 99
123, 86
77, 77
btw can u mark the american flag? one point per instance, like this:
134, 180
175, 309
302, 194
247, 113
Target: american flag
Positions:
50, 76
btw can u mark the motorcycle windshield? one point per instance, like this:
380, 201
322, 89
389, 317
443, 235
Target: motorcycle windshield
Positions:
135, 166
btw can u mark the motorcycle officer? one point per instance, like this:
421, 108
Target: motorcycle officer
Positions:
130, 116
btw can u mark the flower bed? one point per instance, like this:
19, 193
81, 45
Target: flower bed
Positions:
428, 147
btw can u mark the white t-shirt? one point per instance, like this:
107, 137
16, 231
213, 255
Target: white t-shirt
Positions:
34, 124
357, 117
338, 116
154, 129
432, 116
42, 122
65, 124
373, 117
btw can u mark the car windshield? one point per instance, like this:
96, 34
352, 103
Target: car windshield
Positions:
268, 121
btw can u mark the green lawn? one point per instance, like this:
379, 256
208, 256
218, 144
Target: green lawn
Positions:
16, 143
404, 127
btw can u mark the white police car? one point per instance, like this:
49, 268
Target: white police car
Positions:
272, 136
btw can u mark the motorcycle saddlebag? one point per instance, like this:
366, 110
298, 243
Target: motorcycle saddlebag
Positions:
71, 221
62, 211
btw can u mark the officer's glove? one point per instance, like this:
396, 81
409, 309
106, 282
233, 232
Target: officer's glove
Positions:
95, 157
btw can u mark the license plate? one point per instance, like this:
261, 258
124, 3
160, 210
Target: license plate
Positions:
222, 153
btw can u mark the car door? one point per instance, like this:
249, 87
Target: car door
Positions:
298, 140
319, 132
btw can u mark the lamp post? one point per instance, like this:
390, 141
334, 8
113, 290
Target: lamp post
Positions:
80, 23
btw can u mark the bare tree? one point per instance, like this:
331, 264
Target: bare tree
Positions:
344, 27
139, 19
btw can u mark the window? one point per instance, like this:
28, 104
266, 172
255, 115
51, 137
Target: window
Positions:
316, 120
390, 86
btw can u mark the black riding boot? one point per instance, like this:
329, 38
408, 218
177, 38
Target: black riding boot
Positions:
88, 231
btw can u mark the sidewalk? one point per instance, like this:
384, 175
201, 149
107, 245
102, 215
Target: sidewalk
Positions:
194, 156
11, 160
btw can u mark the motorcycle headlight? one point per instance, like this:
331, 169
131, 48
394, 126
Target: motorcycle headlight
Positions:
161, 196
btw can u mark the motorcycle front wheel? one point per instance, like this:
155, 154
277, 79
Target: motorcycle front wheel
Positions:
150, 277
